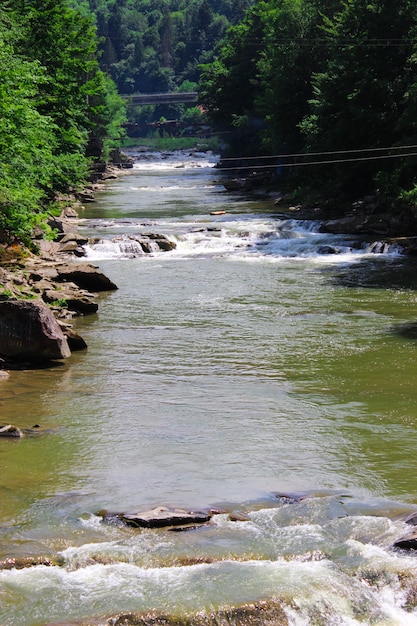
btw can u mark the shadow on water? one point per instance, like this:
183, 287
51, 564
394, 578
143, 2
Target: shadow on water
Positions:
397, 274
407, 331
383, 272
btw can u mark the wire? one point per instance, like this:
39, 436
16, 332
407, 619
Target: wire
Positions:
328, 162
306, 154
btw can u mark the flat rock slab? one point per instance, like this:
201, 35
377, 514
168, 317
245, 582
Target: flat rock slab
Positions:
161, 517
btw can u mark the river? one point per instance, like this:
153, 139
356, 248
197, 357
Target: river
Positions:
258, 359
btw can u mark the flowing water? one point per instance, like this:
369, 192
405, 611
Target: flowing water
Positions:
259, 357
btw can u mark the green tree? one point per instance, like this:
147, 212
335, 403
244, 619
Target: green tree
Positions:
27, 140
360, 97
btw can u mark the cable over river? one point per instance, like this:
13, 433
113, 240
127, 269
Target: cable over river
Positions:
261, 369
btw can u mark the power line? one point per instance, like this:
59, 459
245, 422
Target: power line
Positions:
328, 162
307, 154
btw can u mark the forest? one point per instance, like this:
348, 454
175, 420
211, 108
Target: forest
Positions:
151, 46
324, 90
58, 111
329, 82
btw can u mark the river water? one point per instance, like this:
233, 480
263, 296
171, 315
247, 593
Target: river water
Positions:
258, 359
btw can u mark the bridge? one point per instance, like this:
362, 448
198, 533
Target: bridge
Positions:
173, 97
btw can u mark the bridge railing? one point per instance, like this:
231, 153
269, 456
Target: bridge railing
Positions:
174, 97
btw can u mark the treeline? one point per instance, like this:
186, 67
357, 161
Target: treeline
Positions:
152, 46
332, 79
58, 110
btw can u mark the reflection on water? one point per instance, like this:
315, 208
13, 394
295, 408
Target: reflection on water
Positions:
250, 360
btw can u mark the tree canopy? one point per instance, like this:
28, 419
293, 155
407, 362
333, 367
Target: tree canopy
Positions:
58, 111
323, 76
155, 46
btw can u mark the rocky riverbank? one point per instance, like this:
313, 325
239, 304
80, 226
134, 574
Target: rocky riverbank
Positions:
41, 293
373, 215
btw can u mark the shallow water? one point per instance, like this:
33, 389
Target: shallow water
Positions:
247, 361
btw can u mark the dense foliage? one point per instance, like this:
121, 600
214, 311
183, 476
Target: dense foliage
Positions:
152, 46
58, 110
323, 76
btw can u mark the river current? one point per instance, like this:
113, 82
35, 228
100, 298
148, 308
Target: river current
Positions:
260, 367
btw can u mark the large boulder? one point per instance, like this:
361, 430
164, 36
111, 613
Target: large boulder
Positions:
30, 332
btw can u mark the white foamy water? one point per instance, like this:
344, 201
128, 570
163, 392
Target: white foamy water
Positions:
253, 238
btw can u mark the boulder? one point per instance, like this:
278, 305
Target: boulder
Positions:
23, 562
11, 431
409, 542
30, 332
75, 299
411, 519
86, 276
75, 341
162, 516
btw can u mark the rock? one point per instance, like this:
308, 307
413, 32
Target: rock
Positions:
30, 332
70, 237
239, 516
411, 519
408, 244
409, 542
75, 299
24, 561
165, 244
290, 498
48, 249
86, 276
262, 613
328, 250
75, 341
11, 431
234, 184
69, 212
161, 517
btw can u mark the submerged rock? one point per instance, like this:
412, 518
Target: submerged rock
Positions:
11, 431
30, 332
23, 562
263, 613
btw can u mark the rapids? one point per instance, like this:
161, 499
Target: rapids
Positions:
258, 359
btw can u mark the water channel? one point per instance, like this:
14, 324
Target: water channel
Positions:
259, 357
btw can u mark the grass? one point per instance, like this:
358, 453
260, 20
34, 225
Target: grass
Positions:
173, 143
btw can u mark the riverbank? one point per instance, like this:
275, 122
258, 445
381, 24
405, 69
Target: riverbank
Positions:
52, 283
373, 215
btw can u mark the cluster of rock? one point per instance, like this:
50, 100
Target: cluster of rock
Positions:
137, 245
38, 301
263, 613
40, 294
